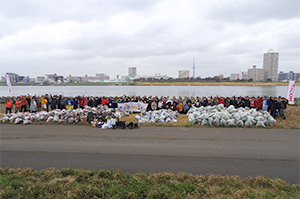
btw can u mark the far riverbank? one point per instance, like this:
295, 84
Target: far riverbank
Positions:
214, 83
162, 84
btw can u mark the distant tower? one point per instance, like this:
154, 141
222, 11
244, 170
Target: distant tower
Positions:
194, 67
132, 71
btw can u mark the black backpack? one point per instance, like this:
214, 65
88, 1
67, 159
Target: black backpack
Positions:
90, 117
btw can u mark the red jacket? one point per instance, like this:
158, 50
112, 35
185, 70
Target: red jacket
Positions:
258, 103
24, 101
221, 101
82, 101
104, 101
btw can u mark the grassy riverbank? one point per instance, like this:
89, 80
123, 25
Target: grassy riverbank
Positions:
292, 121
72, 183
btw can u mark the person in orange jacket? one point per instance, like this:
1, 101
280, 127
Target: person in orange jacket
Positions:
18, 104
23, 104
8, 106
180, 107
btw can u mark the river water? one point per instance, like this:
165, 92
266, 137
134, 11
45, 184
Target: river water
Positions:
113, 90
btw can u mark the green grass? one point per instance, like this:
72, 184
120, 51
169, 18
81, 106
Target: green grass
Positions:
72, 183
15, 83
99, 83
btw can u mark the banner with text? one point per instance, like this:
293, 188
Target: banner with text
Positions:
290, 93
132, 106
8, 84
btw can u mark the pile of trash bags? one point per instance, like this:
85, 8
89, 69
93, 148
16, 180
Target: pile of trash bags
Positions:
158, 116
65, 116
220, 116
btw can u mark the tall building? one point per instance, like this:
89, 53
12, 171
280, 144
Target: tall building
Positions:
271, 65
297, 77
183, 74
13, 77
132, 71
257, 74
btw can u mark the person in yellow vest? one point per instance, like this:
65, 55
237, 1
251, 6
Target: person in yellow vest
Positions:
8, 105
18, 104
69, 107
44, 103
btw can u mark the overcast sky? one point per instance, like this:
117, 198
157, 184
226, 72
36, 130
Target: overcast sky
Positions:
81, 37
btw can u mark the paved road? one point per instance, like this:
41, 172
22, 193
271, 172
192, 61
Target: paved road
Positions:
227, 151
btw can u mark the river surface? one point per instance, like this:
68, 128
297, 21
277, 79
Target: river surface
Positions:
113, 90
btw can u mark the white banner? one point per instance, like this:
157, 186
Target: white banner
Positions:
132, 106
290, 93
8, 84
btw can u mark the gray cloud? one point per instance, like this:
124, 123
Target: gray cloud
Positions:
255, 11
84, 37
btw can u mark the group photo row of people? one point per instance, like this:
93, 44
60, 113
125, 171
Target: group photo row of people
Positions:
275, 105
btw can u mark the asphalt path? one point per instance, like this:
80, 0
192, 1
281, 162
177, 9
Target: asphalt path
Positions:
273, 153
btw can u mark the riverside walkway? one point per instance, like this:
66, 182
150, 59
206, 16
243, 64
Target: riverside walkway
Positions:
245, 152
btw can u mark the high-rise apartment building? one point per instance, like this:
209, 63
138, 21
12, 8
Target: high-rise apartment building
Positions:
132, 71
183, 74
257, 74
271, 65
13, 77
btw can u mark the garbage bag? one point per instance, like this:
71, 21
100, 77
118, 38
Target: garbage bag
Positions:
216, 122
50, 118
223, 122
259, 118
251, 119
244, 117
231, 122
260, 124
248, 123
210, 121
239, 123
18, 120
204, 122
26, 122
192, 121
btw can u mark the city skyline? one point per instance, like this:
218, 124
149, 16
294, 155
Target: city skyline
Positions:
155, 36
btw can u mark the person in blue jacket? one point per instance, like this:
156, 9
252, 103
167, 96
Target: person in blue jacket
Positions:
75, 103
265, 104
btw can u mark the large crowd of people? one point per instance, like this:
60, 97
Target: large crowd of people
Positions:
276, 106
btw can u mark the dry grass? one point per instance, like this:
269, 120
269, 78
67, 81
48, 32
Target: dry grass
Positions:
292, 118
72, 183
